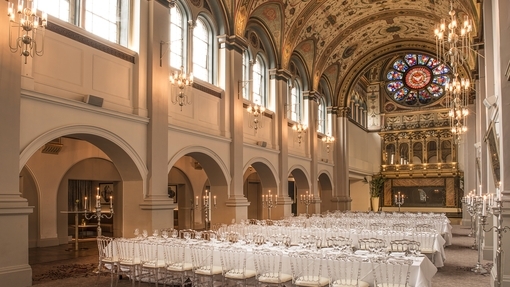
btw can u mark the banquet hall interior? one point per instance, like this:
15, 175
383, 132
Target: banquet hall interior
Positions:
122, 116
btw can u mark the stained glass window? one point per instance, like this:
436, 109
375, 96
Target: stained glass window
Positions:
417, 79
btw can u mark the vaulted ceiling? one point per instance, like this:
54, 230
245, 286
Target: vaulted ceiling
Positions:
340, 39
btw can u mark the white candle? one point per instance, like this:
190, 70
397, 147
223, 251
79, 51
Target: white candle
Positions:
98, 201
111, 201
85, 207
483, 205
196, 200
214, 198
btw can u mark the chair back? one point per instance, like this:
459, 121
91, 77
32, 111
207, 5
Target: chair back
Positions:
202, 256
344, 270
105, 247
149, 254
126, 250
268, 265
175, 255
391, 271
307, 269
340, 243
233, 262
404, 245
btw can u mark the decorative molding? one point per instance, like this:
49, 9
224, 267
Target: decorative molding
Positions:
206, 90
89, 42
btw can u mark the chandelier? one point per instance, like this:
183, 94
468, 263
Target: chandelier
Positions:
300, 129
255, 111
25, 20
181, 80
328, 140
453, 42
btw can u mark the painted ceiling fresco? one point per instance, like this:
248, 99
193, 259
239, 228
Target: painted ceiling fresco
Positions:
341, 32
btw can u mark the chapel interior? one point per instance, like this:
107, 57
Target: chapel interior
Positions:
190, 114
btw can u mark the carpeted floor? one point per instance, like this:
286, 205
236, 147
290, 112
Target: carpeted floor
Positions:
460, 259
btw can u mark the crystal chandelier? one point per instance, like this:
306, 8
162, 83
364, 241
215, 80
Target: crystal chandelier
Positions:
25, 20
328, 140
256, 111
300, 129
453, 46
181, 80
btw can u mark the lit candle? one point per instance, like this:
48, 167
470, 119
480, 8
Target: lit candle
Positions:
111, 201
214, 198
85, 207
97, 193
196, 200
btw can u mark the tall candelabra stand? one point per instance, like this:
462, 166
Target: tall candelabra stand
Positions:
269, 201
306, 199
477, 204
206, 202
399, 200
495, 207
98, 213
472, 212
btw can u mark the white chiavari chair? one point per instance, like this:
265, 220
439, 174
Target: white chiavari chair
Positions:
151, 261
129, 261
391, 272
426, 240
307, 269
107, 257
205, 273
233, 264
178, 270
268, 264
345, 271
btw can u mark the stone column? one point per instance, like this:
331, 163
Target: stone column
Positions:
313, 106
156, 199
231, 60
341, 169
14, 209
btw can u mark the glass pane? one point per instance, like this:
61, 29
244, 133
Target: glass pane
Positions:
423, 59
435, 90
176, 38
393, 86
401, 94
56, 8
424, 97
101, 18
394, 75
411, 59
201, 51
433, 62
441, 69
441, 80
399, 65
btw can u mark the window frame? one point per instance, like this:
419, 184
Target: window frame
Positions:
210, 48
183, 40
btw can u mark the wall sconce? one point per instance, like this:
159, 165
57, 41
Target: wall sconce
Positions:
256, 111
181, 80
300, 129
328, 140
27, 23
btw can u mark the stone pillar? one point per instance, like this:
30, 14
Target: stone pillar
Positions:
313, 106
280, 81
341, 169
231, 60
156, 199
14, 209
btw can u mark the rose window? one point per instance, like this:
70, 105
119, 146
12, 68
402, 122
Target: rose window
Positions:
417, 80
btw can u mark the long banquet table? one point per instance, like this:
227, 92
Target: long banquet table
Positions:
421, 272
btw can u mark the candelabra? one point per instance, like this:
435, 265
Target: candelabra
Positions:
27, 24
206, 203
300, 129
399, 200
269, 201
256, 112
471, 210
495, 207
98, 213
477, 204
182, 81
328, 140
306, 199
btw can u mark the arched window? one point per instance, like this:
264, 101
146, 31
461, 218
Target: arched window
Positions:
321, 116
246, 75
107, 19
358, 109
259, 82
296, 96
177, 25
202, 50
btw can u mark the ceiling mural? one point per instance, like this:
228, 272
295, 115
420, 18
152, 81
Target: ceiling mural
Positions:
345, 31
307, 51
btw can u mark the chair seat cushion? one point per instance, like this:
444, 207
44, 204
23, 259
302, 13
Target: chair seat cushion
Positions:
239, 274
209, 270
274, 278
311, 281
349, 283
179, 267
157, 264
392, 285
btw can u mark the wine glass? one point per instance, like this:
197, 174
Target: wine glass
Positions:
145, 233
164, 234
137, 232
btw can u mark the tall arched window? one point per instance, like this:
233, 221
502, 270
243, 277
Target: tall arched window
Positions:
259, 82
246, 75
321, 116
296, 96
177, 37
202, 50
